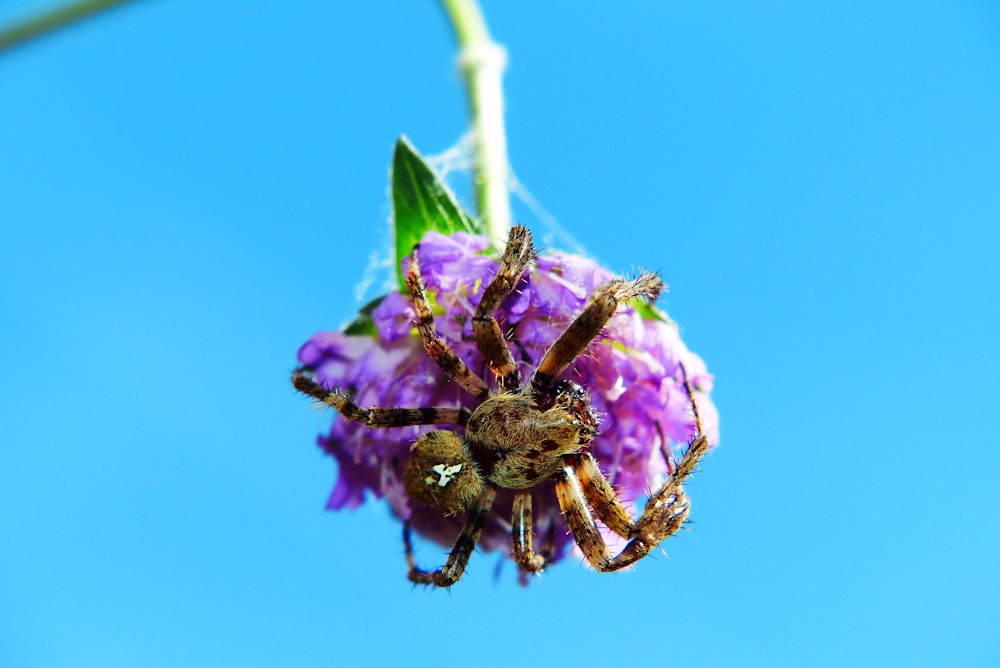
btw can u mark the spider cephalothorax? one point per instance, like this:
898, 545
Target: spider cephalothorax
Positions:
523, 434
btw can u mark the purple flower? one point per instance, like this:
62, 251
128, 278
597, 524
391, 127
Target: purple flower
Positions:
631, 372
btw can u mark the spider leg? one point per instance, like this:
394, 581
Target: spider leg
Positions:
686, 466
453, 568
668, 456
485, 328
378, 417
666, 510
572, 500
527, 559
435, 346
699, 445
600, 495
582, 488
585, 328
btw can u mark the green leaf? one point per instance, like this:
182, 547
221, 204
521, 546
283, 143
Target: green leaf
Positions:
649, 312
421, 202
364, 324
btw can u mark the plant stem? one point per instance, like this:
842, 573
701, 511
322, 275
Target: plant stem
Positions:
50, 20
482, 62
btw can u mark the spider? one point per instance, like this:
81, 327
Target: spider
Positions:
523, 434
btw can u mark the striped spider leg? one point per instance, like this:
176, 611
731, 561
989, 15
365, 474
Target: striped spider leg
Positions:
584, 492
518, 253
588, 325
377, 418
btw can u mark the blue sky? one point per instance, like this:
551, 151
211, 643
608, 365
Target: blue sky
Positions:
189, 192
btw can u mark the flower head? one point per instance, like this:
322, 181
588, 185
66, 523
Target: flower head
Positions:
632, 374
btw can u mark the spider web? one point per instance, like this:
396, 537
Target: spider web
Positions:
455, 165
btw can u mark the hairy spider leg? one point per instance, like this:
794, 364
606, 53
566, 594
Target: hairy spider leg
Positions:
583, 492
485, 328
435, 346
600, 495
453, 568
524, 553
586, 327
657, 522
378, 417
668, 456
698, 446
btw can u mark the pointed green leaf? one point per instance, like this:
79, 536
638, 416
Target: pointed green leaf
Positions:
649, 312
421, 202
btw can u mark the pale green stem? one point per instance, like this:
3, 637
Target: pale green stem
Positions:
50, 20
482, 62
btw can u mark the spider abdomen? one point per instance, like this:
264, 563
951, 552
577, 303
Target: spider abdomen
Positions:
516, 445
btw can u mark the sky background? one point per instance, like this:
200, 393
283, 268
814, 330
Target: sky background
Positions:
188, 192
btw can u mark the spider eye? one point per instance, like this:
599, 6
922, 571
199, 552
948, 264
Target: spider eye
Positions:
440, 474
565, 393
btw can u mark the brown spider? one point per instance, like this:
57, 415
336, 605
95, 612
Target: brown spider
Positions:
523, 435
